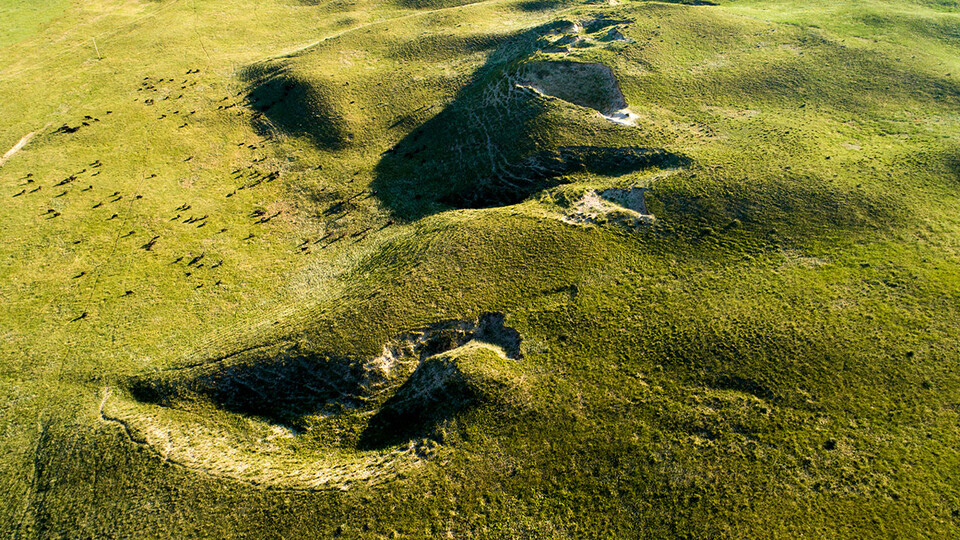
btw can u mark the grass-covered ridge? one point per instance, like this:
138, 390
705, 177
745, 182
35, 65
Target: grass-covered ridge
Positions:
489, 269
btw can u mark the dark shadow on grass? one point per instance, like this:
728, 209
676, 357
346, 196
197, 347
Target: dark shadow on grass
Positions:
279, 388
793, 207
284, 384
492, 145
539, 5
434, 4
286, 104
436, 391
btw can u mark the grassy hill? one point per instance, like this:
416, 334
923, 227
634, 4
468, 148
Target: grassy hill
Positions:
500, 269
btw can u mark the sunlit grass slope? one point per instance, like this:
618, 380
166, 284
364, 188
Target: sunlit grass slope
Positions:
541, 269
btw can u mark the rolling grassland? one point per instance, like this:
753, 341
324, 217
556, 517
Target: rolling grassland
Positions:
494, 269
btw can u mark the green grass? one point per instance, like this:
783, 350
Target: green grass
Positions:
22, 19
774, 357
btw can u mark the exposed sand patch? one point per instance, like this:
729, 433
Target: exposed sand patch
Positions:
586, 33
621, 207
623, 116
17, 147
585, 84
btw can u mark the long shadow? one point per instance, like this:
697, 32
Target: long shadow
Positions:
280, 389
283, 386
286, 104
492, 145
434, 393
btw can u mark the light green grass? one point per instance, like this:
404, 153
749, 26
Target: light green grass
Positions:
20, 19
775, 357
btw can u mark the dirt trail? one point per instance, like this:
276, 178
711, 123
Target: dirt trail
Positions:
16, 148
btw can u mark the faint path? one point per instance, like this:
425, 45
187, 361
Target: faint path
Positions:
303, 48
16, 148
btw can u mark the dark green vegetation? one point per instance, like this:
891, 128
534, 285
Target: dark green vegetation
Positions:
306, 269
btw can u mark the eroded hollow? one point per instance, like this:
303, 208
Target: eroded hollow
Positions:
286, 385
291, 417
588, 85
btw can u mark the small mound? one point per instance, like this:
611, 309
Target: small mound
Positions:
584, 34
499, 141
442, 385
288, 384
284, 103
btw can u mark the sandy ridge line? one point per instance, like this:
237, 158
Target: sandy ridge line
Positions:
16, 148
130, 435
